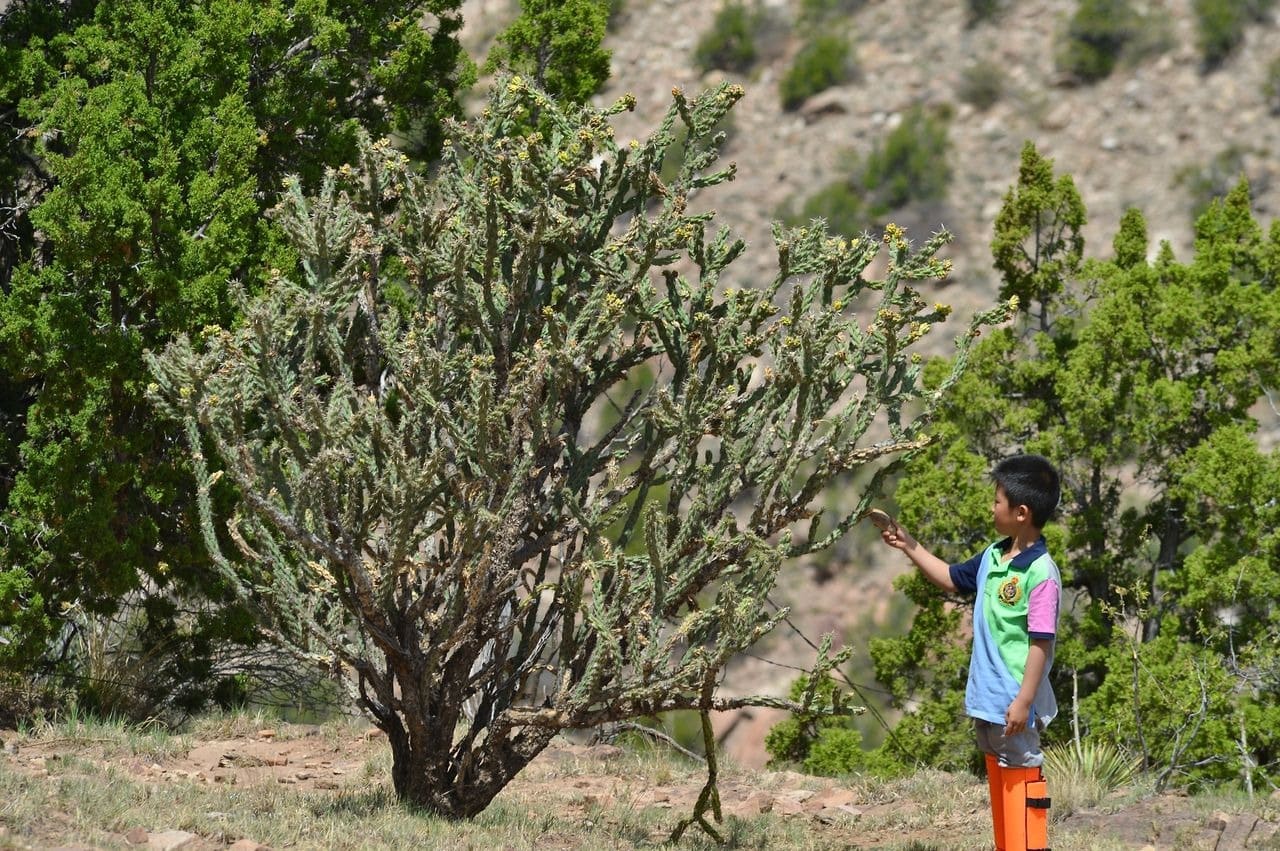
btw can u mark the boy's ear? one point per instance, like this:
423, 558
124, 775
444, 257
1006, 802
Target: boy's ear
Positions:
1023, 513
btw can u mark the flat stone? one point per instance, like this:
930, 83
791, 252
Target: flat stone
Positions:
1236, 833
1263, 834
171, 840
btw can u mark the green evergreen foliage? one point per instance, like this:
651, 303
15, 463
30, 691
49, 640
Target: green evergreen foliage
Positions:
145, 140
1096, 35
1271, 86
908, 165
1132, 368
734, 41
1038, 245
825, 60
911, 164
825, 745
425, 501
1220, 25
559, 45
818, 12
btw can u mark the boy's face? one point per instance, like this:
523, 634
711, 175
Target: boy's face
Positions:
1008, 518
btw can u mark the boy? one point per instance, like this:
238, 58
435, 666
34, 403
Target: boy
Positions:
1014, 625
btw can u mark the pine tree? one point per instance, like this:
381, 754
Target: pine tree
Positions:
508, 454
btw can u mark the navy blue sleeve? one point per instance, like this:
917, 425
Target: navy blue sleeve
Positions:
965, 574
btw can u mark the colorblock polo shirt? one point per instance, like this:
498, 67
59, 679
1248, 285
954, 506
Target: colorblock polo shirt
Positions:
1019, 601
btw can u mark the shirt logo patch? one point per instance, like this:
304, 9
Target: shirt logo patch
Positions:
1010, 593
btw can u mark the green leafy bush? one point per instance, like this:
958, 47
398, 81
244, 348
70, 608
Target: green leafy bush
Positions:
826, 60
909, 165
828, 746
838, 203
819, 11
982, 84
1220, 25
1096, 35
1271, 86
734, 42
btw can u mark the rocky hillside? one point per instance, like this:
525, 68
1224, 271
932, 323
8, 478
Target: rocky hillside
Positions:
1137, 138
1126, 139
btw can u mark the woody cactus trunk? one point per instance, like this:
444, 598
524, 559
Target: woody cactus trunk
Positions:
508, 457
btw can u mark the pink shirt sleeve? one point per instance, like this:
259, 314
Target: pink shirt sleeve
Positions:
1042, 610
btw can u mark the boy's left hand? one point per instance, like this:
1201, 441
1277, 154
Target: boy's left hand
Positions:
1016, 716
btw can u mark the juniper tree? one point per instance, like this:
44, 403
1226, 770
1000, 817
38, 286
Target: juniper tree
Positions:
508, 453
1141, 376
144, 140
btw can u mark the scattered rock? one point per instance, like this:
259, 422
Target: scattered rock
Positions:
823, 104
1263, 835
1237, 832
605, 752
248, 845
266, 734
171, 840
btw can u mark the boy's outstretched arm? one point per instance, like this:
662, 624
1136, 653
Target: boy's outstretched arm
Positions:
934, 569
1018, 715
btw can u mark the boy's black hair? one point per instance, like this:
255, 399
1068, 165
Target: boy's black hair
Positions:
1032, 481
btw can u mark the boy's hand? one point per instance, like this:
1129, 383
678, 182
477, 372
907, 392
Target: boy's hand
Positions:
898, 538
1016, 717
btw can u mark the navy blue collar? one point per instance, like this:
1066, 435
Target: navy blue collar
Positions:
1023, 559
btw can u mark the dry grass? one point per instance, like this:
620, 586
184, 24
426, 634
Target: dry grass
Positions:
89, 791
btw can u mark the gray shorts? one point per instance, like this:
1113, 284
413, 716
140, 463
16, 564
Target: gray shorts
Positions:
1018, 751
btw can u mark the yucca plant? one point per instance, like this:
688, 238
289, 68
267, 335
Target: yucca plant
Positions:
1081, 773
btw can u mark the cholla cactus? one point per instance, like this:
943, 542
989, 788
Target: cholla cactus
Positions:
503, 426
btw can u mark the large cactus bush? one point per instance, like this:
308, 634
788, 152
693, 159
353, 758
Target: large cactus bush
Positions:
507, 453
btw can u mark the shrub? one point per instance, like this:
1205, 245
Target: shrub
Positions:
1220, 25
1096, 35
839, 204
1213, 180
826, 60
827, 746
1271, 86
1219, 28
733, 42
982, 84
818, 11
909, 165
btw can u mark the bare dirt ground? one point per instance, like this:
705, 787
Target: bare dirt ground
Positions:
576, 796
